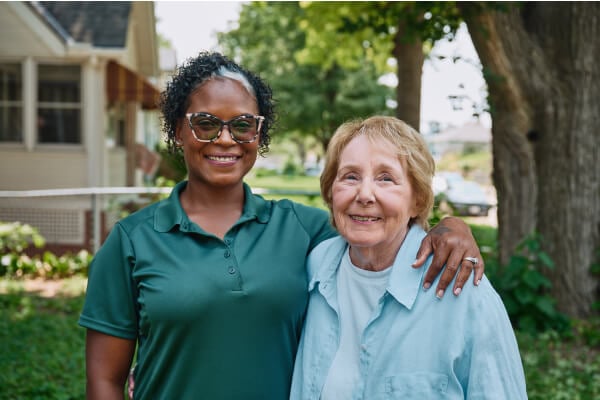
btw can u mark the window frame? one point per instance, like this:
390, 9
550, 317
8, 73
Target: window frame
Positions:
6, 105
59, 105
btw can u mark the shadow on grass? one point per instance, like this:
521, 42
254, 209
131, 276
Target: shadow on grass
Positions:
41, 346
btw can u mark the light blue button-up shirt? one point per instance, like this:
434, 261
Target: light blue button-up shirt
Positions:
415, 346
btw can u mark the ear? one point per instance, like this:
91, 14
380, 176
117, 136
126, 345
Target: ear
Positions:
416, 207
179, 132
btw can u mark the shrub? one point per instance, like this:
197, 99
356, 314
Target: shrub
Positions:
525, 290
16, 237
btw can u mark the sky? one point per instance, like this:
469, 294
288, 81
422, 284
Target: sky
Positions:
191, 26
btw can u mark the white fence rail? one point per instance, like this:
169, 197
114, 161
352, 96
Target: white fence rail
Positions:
95, 195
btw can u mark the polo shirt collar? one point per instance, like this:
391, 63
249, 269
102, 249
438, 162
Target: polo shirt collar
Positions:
255, 207
169, 212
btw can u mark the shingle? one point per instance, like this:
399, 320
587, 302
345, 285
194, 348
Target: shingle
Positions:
99, 23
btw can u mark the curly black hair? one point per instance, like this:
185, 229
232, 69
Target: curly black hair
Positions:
174, 100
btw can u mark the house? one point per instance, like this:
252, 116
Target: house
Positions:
78, 108
470, 136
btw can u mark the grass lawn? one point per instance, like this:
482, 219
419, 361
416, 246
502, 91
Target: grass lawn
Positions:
42, 350
41, 345
293, 182
309, 184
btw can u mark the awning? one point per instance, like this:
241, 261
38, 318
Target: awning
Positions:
122, 85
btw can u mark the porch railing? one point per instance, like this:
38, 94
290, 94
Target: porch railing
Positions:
96, 193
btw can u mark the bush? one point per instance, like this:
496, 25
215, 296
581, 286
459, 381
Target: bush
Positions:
16, 237
525, 290
560, 368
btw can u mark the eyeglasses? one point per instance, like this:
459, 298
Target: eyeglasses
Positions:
207, 128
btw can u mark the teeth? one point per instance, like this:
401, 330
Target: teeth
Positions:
363, 219
222, 158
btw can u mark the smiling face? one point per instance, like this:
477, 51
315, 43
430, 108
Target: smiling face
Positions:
223, 162
372, 197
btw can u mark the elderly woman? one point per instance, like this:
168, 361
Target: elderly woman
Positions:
371, 332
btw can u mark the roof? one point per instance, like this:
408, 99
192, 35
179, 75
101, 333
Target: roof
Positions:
472, 132
88, 21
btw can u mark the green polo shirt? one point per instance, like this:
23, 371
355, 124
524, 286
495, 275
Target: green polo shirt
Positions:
214, 319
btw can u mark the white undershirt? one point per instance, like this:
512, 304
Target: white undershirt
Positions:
358, 293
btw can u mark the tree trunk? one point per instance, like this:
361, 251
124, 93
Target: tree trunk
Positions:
410, 58
544, 84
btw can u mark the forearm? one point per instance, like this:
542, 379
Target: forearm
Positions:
98, 389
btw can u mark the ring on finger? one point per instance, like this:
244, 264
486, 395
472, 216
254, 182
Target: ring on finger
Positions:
474, 260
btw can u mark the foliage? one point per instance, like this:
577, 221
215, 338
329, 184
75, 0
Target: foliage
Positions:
368, 29
16, 237
41, 347
525, 290
559, 368
313, 100
172, 165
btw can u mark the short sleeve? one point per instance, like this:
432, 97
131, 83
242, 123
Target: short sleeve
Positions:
110, 297
316, 223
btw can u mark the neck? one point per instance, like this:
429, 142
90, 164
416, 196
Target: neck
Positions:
376, 258
197, 196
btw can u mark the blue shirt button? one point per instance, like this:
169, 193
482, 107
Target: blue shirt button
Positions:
231, 270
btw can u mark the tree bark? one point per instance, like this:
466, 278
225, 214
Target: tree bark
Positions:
540, 63
410, 58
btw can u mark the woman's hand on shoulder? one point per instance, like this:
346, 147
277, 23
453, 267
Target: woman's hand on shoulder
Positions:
451, 241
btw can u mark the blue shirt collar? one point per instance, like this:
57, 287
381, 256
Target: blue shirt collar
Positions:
405, 281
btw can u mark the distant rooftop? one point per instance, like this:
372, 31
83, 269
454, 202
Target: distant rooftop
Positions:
99, 23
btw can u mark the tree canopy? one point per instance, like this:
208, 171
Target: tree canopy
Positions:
323, 60
312, 98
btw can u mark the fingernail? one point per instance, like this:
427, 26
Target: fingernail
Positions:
457, 291
478, 282
426, 285
439, 294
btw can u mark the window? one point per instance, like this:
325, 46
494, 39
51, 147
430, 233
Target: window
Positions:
11, 103
115, 136
59, 104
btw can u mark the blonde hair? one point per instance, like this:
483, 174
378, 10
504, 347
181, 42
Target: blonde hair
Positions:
411, 150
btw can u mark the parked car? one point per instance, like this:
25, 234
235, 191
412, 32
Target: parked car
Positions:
466, 198
442, 181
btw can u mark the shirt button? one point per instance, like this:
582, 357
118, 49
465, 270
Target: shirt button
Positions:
231, 270
227, 254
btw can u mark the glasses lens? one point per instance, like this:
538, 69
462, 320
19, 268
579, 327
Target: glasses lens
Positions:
243, 128
205, 127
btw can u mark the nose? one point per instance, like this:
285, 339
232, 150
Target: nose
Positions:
365, 194
225, 138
